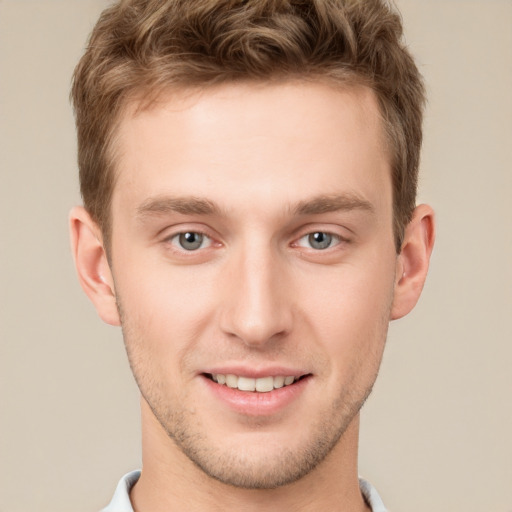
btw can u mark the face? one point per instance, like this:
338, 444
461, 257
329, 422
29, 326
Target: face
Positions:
254, 268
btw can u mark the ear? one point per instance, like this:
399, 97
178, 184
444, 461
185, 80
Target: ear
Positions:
92, 265
413, 261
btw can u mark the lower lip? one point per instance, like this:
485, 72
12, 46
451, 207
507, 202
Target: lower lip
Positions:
251, 403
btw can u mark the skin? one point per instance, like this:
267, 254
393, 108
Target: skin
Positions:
256, 169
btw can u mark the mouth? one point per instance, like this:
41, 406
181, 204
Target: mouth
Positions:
254, 385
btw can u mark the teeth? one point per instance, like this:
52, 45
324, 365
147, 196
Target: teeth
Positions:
279, 382
265, 384
246, 384
262, 385
231, 381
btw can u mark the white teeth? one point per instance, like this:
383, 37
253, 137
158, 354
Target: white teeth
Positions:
265, 384
231, 381
262, 384
278, 382
246, 384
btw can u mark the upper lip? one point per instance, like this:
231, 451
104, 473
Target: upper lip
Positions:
255, 372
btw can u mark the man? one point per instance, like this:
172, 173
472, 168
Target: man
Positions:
249, 174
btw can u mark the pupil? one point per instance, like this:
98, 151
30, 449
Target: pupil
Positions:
191, 241
320, 240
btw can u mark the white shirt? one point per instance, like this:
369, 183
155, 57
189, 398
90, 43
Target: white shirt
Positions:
121, 500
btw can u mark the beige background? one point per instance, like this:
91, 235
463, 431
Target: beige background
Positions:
436, 432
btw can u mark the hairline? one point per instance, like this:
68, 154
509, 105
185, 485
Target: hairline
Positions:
143, 98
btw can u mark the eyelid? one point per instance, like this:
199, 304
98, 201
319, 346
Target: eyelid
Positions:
185, 227
205, 242
334, 231
169, 234
337, 239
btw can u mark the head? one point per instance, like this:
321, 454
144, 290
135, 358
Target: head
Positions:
141, 49
249, 169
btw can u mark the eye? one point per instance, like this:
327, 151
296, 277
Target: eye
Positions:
190, 240
319, 240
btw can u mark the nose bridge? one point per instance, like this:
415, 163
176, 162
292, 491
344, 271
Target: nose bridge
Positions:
257, 308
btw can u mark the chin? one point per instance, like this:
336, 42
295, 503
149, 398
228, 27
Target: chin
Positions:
256, 472
260, 460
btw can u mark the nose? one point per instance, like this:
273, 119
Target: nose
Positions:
257, 305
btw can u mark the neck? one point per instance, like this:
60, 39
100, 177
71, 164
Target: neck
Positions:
171, 482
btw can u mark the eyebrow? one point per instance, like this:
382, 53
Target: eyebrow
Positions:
198, 206
333, 203
183, 205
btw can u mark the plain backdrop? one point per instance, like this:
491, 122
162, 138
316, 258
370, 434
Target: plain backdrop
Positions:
436, 431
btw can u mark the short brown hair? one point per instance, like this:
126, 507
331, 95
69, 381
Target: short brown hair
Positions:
143, 47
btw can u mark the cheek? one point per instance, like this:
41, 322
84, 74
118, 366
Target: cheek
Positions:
165, 308
350, 313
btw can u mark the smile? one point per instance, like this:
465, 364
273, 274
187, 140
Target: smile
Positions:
258, 394
260, 385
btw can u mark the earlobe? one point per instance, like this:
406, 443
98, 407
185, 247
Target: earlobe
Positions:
413, 261
92, 265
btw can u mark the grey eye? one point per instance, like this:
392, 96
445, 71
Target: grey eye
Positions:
191, 241
320, 240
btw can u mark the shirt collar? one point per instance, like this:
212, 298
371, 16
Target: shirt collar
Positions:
121, 500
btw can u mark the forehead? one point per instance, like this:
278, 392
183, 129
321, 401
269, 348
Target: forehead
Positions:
258, 140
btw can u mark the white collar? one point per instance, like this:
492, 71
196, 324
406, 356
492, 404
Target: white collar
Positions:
121, 500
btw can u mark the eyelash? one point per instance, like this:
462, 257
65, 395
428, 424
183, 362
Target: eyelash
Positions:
333, 240
176, 240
